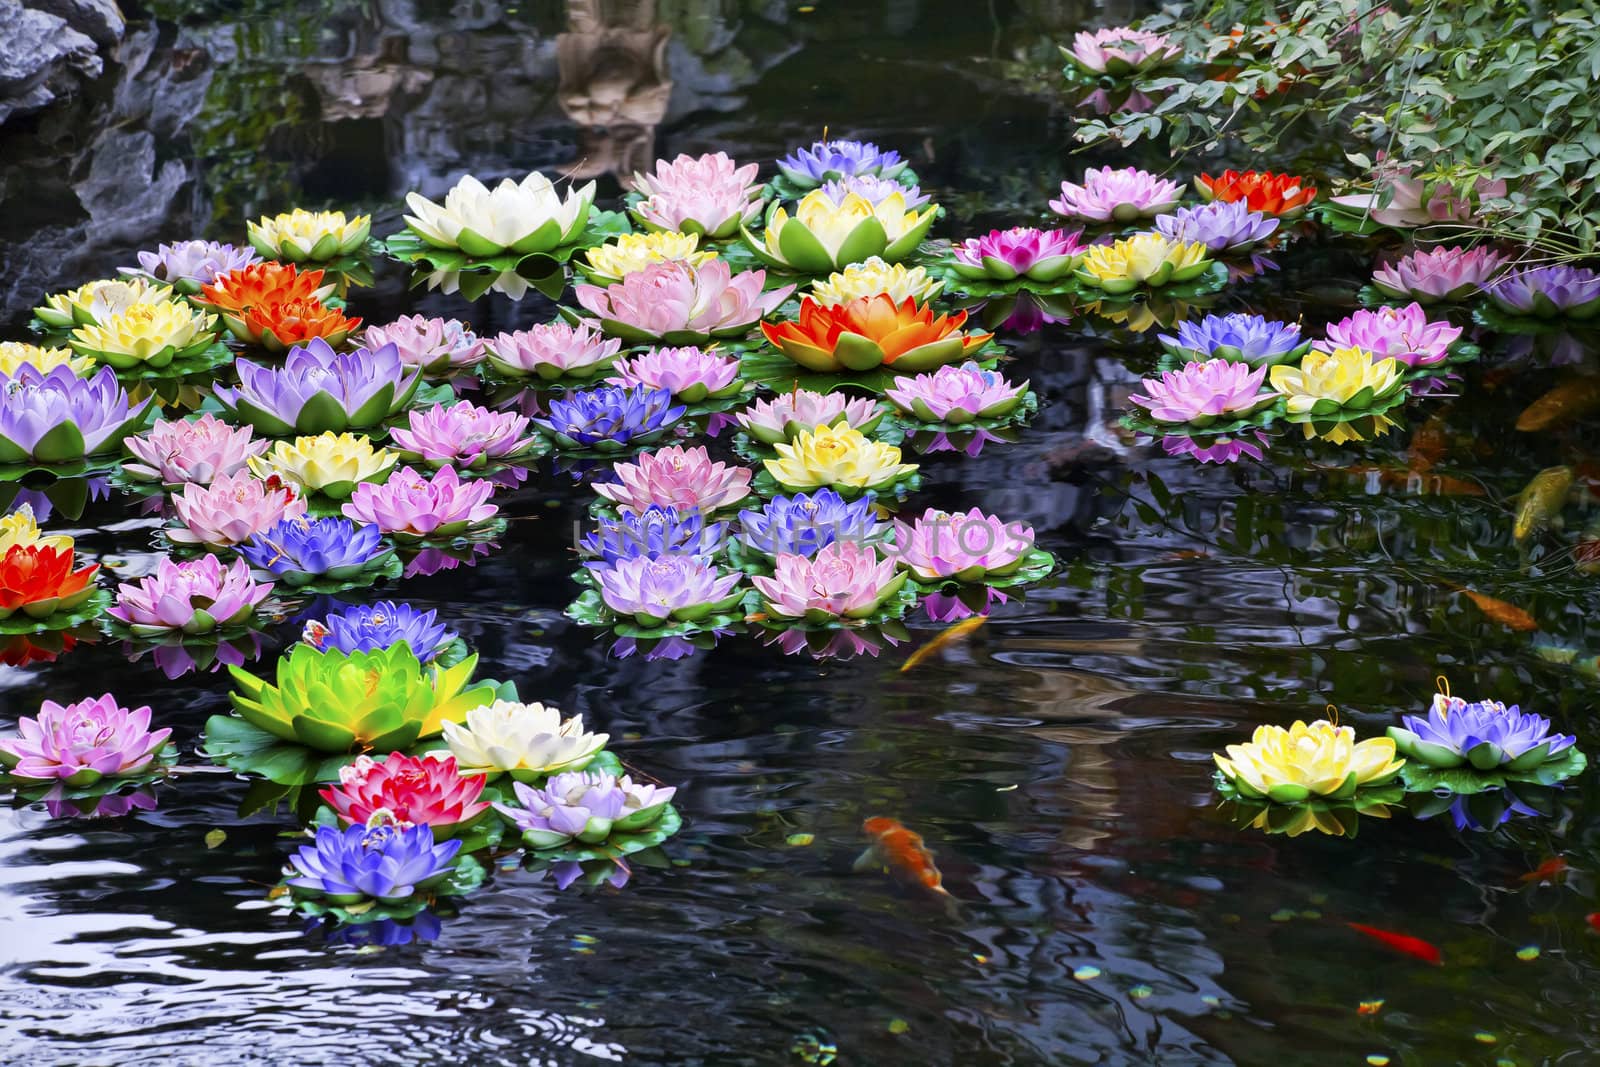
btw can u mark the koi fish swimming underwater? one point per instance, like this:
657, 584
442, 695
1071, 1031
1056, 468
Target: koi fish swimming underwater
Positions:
902, 853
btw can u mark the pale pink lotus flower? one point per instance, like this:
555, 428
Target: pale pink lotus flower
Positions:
1414, 202
845, 579
1441, 274
410, 506
1389, 332
1112, 195
435, 345
690, 374
231, 510
708, 195
678, 477
956, 394
1122, 50
966, 547
179, 451
781, 418
681, 303
195, 597
462, 433
553, 350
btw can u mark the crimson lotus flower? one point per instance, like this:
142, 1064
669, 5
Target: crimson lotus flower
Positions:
231, 510
691, 375
708, 195
410, 507
956, 394
797, 411
80, 744
1198, 394
845, 579
667, 589
553, 350
1404, 334
941, 545
433, 346
317, 390
183, 451
463, 435
1548, 292
194, 597
677, 477
57, 417
674, 303
412, 790
1439, 275
38, 580
1020, 252
1111, 195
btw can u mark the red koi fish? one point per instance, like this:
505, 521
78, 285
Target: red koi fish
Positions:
1593, 919
1414, 947
1548, 871
902, 852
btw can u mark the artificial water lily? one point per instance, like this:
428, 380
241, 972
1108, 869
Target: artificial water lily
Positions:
80, 744
316, 390
553, 350
462, 435
412, 507
409, 791
843, 580
1222, 226
876, 190
16, 354
38, 580
298, 550
825, 161
19, 527
180, 451
611, 417
1281, 195
318, 236
1240, 337
956, 394
1302, 762
873, 276
150, 334
676, 303
1109, 194
1548, 292
1145, 259
1346, 378
692, 375
198, 596
233, 508
279, 326
871, 332
55, 416
527, 216
653, 531
382, 863
1440, 275
235, 292
709, 195
785, 415
93, 301
1121, 50
434, 346
332, 464
804, 524
971, 547
375, 627
1484, 734
527, 741
837, 456
1404, 202
187, 265
1020, 252
1403, 334
586, 806
683, 478
1198, 394
630, 252
824, 234
667, 589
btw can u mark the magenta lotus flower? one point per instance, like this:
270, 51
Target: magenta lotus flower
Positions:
942, 545
427, 790
677, 477
845, 579
1020, 252
1111, 195
79, 744
1398, 333
1200, 393
690, 374
231, 510
553, 350
1548, 292
800, 410
462, 435
1121, 50
194, 597
708, 195
410, 507
653, 592
180, 451
1440, 274
678, 304
436, 346
956, 394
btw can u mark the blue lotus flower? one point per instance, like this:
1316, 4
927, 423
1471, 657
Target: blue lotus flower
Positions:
655, 532
876, 190
421, 928
1488, 810
383, 862
832, 160
1486, 734
1221, 227
374, 627
308, 549
1240, 337
805, 524
611, 417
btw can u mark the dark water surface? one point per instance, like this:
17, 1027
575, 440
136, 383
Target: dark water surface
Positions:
1057, 762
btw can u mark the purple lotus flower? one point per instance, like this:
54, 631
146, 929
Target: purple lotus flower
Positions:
1022, 251
956, 394
300, 550
652, 533
825, 161
1440, 274
1396, 333
1239, 337
375, 627
611, 872
586, 806
411, 507
1220, 226
1198, 394
1486, 734
316, 390
194, 597
692, 375
1220, 449
58, 417
804, 524
462, 435
611, 417
1111, 195
187, 265
953, 607
875, 189
1548, 292
110, 806
80, 744
435, 346
178, 658
654, 592
380, 862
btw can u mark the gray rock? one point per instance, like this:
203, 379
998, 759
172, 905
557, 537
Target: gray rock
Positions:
99, 20
43, 59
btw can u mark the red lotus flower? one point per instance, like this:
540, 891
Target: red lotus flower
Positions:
873, 331
21, 650
1283, 195
262, 283
38, 580
414, 790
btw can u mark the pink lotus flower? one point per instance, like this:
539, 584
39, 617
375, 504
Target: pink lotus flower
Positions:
1398, 333
1201, 393
679, 304
1122, 50
690, 374
554, 350
1440, 275
411, 507
79, 744
845, 579
1022, 251
1414, 202
969, 547
232, 509
1218, 448
414, 790
180, 452
437, 346
678, 477
462, 435
709, 195
781, 418
195, 597
1110, 195
956, 394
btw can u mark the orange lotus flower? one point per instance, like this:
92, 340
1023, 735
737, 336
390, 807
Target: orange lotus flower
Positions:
21, 650
262, 283
279, 326
873, 331
38, 580
1283, 195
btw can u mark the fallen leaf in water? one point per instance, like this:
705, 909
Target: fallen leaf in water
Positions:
215, 838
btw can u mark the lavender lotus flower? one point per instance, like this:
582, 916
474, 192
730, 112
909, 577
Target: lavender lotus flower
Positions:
553, 350
655, 592
187, 265
1111, 195
301, 550
825, 161
611, 417
194, 597
956, 394
1238, 337
360, 863
462, 435
1404, 334
58, 417
1486, 734
1548, 292
804, 524
586, 806
1219, 449
79, 744
374, 627
692, 375
875, 189
1439, 275
1199, 394
434, 346
1020, 252
652, 533
317, 390
1221, 226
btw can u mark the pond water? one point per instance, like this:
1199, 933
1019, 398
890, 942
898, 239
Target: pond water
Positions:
1105, 908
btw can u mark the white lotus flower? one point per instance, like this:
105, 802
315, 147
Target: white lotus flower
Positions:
527, 216
527, 740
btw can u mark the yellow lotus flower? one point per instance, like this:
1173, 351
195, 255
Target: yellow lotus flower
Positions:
1338, 820
616, 259
1344, 379
873, 276
837, 456
301, 236
13, 354
1321, 760
97, 300
332, 464
824, 235
152, 334
1342, 431
20, 529
1147, 259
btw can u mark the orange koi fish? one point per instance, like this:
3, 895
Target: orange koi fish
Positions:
1548, 871
1508, 615
1565, 402
1414, 947
948, 636
902, 853
1593, 919
1540, 502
